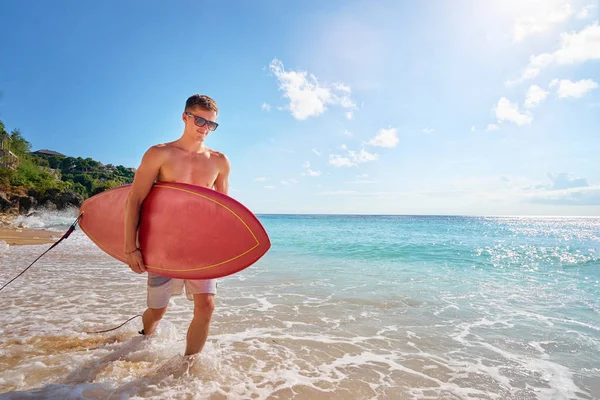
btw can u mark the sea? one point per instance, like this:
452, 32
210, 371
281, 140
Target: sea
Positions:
341, 307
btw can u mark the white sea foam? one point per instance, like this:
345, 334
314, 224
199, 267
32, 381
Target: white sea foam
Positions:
46, 219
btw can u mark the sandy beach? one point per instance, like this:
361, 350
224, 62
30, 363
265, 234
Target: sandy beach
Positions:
20, 235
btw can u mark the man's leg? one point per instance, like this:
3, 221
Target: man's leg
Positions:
151, 318
204, 305
160, 289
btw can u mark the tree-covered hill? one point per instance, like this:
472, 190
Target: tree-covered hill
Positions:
49, 179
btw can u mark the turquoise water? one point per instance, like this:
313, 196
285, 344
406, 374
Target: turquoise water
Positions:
515, 284
539, 258
341, 307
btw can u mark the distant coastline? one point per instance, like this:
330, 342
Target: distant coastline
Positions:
47, 179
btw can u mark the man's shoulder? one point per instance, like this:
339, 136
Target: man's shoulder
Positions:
217, 154
220, 157
160, 147
157, 151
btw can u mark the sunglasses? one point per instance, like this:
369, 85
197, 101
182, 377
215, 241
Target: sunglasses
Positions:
199, 121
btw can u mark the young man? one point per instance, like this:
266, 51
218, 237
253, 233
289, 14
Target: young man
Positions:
186, 160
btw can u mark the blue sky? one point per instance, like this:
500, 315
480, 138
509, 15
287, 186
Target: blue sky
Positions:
437, 107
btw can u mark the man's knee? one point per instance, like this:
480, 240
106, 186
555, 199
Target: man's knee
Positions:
158, 313
204, 305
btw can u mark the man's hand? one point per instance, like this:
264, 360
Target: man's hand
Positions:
136, 262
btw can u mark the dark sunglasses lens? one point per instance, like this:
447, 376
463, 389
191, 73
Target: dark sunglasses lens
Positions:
201, 122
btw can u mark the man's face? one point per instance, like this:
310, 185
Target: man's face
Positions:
199, 121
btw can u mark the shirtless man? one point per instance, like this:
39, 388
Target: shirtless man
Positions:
186, 160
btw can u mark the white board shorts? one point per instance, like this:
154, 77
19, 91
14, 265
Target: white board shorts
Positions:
160, 289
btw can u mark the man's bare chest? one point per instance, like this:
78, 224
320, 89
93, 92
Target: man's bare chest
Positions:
197, 170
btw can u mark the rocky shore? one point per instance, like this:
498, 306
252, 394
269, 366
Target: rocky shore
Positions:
23, 202
18, 235
12, 234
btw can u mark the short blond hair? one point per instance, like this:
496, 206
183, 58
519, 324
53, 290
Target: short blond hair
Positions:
202, 101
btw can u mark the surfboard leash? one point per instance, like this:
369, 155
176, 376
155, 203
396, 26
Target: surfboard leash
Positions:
117, 327
63, 237
66, 235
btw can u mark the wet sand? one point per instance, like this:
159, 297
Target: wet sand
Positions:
18, 236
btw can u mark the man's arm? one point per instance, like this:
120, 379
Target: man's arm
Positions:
222, 181
142, 184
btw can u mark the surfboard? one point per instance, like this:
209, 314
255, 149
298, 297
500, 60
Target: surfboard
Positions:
185, 231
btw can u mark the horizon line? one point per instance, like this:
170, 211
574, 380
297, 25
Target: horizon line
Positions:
429, 215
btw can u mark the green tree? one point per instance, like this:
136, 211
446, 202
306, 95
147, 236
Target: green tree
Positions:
18, 144
55, 161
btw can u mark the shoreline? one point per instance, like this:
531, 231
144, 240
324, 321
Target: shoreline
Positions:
22, 236
14, 236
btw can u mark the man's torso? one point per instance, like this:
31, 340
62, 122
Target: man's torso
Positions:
200, 169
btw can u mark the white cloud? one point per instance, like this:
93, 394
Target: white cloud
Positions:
362, 156
343, 147
558, 181
565, 189
561, 189
352, 158
473, 128
266, 107
385, 138
580, 196
585, 11
567, 88
340, 161
309, 98
535, 95
347, 133
288, 181
309, 171
362, 175
361, 182
427, 130
507, 111
349, 114
563, 180
575, 48
492, 127
270, 187
261, 179
316, 152
541, 21
281, 150
354, 192
342, 88
337, 192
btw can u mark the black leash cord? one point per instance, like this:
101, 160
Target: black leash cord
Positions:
112, 329
66, 235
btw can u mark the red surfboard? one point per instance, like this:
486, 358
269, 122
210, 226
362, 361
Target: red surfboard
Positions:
185, 231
